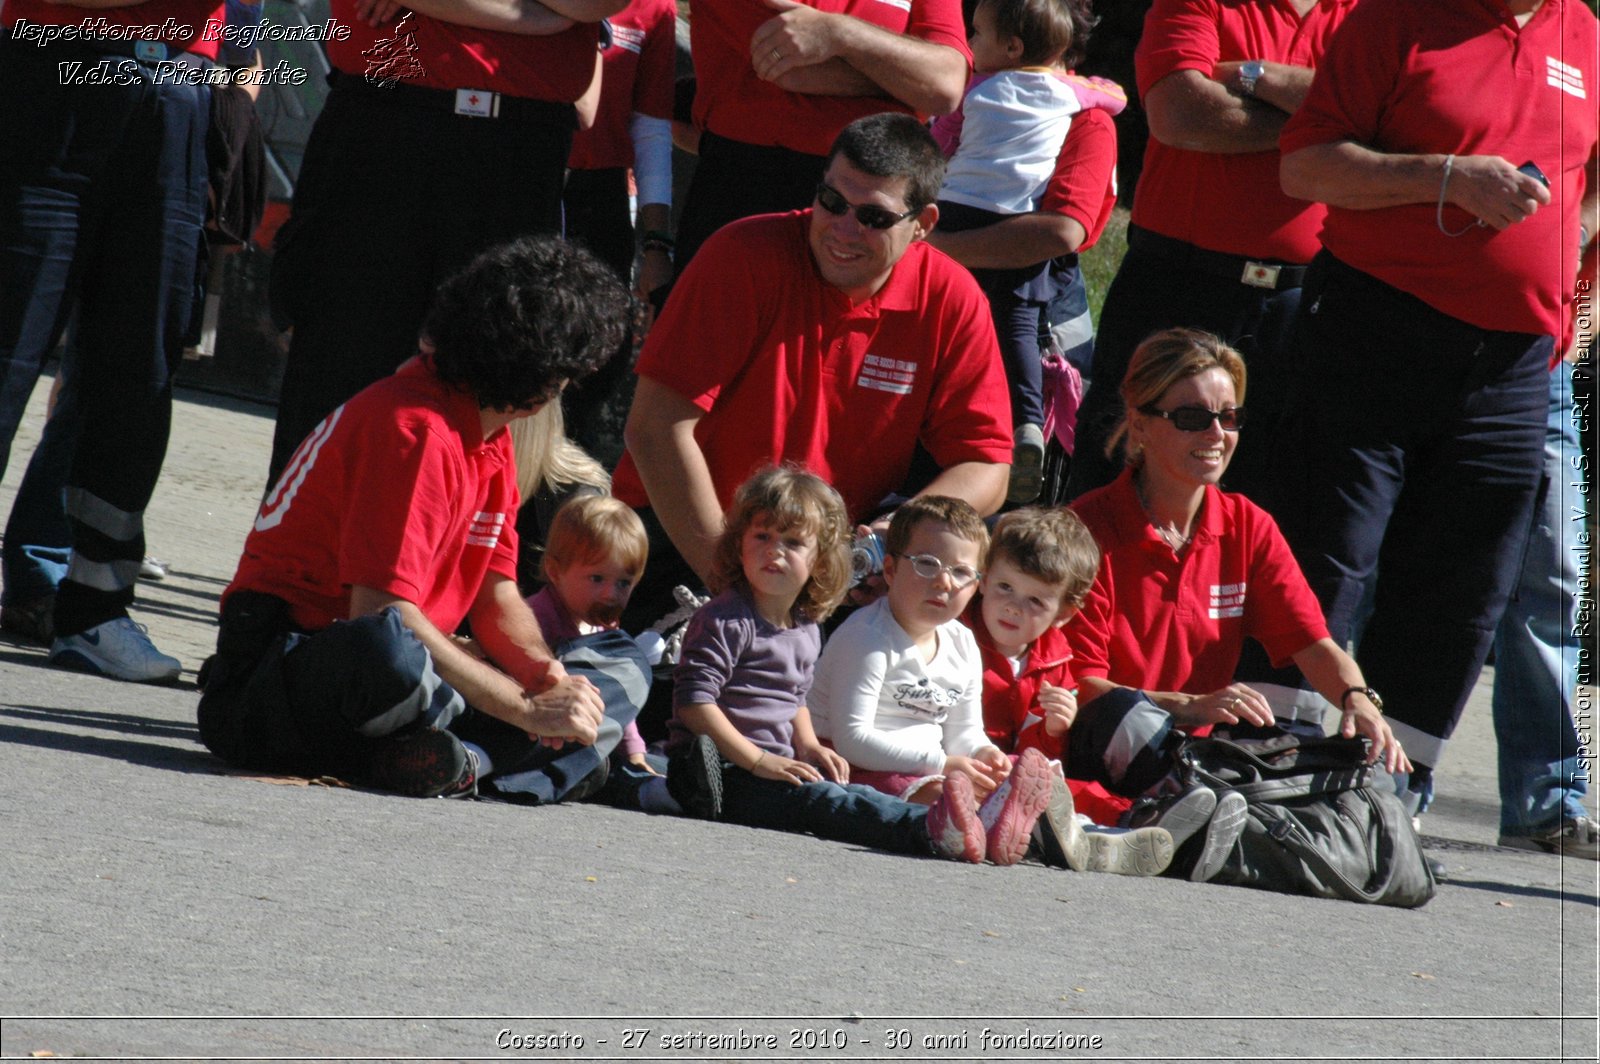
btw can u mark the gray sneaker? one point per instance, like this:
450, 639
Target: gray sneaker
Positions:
1027, 465
1573, 837
1057, 833
1139, 852
1218, 821
119, 649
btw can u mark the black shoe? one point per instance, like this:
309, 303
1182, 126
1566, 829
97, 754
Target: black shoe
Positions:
590, 785
33, 621
694, 778
427, 763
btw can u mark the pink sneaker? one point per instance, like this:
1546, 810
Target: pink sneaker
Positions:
1011, 811
953, 826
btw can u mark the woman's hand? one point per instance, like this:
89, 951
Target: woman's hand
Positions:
1361, 717
1059, 708
833, 766
1231, 705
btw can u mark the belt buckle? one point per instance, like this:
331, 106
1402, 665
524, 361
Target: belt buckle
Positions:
476, 103
149, 51
1260, 275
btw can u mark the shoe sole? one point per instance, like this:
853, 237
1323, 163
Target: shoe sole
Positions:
1189, 815
1554, 847
704, 764
1227, 824
1059, 824
958, 804
77, 661
1031, 783
1027, 475
424, 765
1140, 852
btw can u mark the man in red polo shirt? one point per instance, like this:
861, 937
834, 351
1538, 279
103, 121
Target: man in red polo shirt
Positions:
819, 338
393, 523
1214, 243
447, 131
777, 80
1454, 142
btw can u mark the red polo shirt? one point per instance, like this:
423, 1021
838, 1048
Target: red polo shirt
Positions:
189, 18
1161, 622
1459, 76
1227, 202
396, 490
787, 369
1084, 185
732, 102
638, 78
418, 50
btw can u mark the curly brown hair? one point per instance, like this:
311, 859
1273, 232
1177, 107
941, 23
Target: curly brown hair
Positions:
790, 497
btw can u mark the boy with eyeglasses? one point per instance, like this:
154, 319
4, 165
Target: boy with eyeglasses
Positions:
899, 686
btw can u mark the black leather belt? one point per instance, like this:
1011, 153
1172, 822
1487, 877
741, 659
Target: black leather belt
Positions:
1257, 273
470, 103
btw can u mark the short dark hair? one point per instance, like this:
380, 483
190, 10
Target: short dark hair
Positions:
892, 144
1051, 545
1048, 29
523, 317
955, 514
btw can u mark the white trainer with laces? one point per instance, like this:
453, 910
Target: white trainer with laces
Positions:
119, 649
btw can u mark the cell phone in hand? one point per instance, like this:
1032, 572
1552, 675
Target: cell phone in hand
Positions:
1532, 170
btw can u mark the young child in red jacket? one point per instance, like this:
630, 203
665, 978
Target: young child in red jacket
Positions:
1039, 566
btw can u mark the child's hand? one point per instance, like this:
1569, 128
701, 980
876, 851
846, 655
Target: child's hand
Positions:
787, 769
833, 766
997, 761
985, 778
640, 761
1060, 708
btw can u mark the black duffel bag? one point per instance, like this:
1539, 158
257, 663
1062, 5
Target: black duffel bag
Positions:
1321, 820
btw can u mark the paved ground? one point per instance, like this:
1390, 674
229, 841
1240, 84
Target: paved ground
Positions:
151, 904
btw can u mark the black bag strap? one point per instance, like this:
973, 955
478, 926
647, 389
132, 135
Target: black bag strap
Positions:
1293, 840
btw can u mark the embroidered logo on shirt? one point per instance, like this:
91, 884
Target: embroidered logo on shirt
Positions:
887, 374
485, 529
922, 699
629, 37
1569, 79
1227, 600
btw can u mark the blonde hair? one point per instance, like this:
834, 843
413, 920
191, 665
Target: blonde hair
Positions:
1164, 359
789, 497
545, 457
955, 514
596, 528
1053, 545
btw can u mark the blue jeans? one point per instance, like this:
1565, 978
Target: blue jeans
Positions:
854, 814
1535, 648
1416, 454
102, 195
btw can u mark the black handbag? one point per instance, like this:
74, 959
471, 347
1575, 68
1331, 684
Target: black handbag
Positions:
1321, 821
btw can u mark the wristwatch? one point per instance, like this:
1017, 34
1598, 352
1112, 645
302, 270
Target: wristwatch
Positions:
1372, 696
1249, 74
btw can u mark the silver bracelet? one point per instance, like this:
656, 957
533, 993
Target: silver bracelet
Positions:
1438, 212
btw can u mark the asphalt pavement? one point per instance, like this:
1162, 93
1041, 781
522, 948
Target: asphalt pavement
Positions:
154, 904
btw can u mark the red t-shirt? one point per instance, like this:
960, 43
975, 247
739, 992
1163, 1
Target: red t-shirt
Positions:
418, 50
1459, 76
732, 102
1084, 185
396, 490
190, 18
1161, 622
638, 79
1227, 202
787, 369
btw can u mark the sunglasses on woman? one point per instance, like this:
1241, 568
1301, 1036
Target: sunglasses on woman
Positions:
868, 215
1198, 418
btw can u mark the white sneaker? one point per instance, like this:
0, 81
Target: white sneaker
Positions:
117, 648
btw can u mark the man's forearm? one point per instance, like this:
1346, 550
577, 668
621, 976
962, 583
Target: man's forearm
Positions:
982, 484
526, 17
1013, 243
1281, 85
673, 469
509, 633
927, 77
1188, 110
